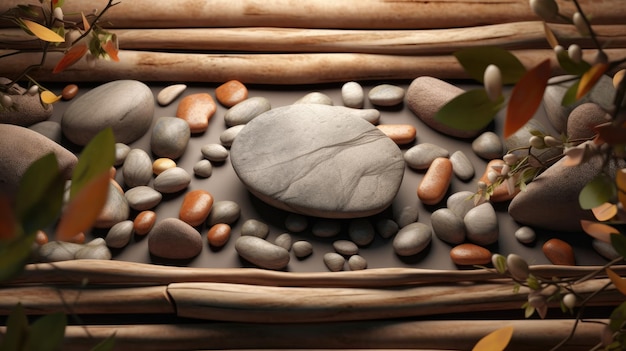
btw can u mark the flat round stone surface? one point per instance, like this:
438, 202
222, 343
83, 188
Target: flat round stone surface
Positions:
318, 160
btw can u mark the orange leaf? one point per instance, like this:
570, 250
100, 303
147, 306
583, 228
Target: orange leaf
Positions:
71, 57
8, 222
497, 340
590, 78
82, 211
598, 231
619, 283
111, 50
526, 97
605, 211
42, 32
86, 24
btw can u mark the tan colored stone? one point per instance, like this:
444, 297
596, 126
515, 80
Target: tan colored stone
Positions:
161, 164
401, 134
197, 110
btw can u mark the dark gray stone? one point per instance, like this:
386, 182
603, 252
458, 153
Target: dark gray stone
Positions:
174, 239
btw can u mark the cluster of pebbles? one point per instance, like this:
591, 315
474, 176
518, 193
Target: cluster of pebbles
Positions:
152, 176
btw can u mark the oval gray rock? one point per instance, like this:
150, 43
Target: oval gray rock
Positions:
448, 226
228, 136
172, 180
462, 166
142, 198
481, 224
284, 240
256, 228
406, 215
345, 247
120, 234
296, 223
170, 136
422, 155
334, 261
361, 231
386, 95
488, 145
137, 168
302, 248
246, 110
386, 228
129, 111
583, 118
214, 152
346, 168
174, 239
261, 252
223, 211
357, 263
203, 168
412, 239
525, 235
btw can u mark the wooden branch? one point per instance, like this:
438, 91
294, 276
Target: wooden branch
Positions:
373, 14
390, 335
98, 272
512, 36
262, 68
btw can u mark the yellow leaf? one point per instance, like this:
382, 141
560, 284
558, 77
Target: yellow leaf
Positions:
495, 341
598, 231
86, 25
605, 211
590, 78
526, 97
620, 181
42, 32
48, 97
82, 211
619, 283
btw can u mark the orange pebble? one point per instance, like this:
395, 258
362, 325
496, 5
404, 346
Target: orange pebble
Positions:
69, 92
41, 237
559, 252
144, 222
197, 110
436, 181
470, 254
196, 207
218, 234
231, 93
400, 133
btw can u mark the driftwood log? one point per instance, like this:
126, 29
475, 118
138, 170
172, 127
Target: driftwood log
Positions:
511, 36
373, 14
262, 68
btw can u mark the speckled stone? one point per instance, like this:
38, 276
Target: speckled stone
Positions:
129, 114
231, 93
261, 252
559, 252
170, 136
26, 109
174, 239
346, 169
583, 118
412, 239
426, 96
246, 110
470, 254
197, 110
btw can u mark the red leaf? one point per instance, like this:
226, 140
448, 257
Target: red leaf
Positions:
71, 57
111, 50
526, 97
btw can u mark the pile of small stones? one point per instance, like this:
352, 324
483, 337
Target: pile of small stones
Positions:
465, 225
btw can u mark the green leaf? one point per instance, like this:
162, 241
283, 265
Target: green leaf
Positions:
17, 330
598, 191
14, 255
97, 157
40, 194
472, 110
47, 333
475, 60
618, 241
618, 317
570, 95
570, 66
106, 344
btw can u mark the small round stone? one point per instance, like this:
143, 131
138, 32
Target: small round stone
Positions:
334, 261
352, 95
315, 98
121, 152
386, 228
218, 235
224, 211
357, 263
231, 93
559, 252
412, 239
161, 164
525, 235
462, 166
203, 168
470, 254
170, 137
172, 180
386, 95
284, 240
195, 207
406, 215
142, 198
447, 226
119, 235
144, 222
361, 231
302, 248
137, 168
253, 227
69, 92
296, 223
168, 94
481, 224
345, 247
261, 252
326, 228
246, 110
488, 145
422, 155
214, 152
228, 136
174, 239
